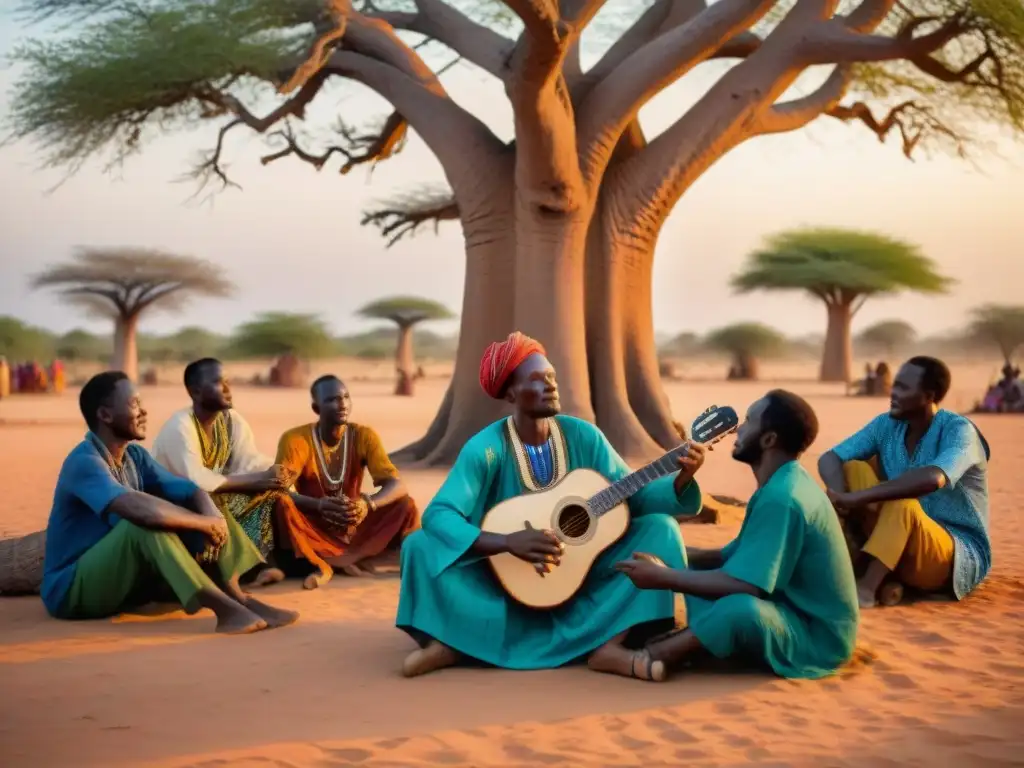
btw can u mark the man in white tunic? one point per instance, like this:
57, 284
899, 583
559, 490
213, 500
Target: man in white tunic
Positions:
213, 446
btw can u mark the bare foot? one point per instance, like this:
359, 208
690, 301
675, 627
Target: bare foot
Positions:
315, 580
430, 659
274, 617
617, 660
891, 593
267, 577
233, 618
239, 622
866, 598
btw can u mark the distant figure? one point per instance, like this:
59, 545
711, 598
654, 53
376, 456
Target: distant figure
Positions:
31, 378
5, 378
1006, 395
57, 377
883, 380
149, 377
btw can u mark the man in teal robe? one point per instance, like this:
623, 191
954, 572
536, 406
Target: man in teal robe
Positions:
782, 594
452, 604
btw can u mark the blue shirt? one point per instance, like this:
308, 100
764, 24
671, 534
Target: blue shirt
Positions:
79, 518
953, 446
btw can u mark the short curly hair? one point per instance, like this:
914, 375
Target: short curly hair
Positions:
792, 419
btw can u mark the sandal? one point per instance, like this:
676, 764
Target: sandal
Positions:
653, 670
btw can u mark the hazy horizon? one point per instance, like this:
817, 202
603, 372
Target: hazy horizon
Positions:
291, 240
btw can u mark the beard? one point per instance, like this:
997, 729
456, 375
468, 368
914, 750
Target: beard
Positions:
748, 453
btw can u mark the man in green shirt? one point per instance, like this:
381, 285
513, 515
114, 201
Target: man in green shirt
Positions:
782, 593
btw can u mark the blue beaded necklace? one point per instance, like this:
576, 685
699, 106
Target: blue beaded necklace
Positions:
540, 462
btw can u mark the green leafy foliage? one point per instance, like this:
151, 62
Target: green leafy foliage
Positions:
888, 336
276, 333
747, 339
20, 342
839, 265
405, 310
80, 346
379, 344
998, 325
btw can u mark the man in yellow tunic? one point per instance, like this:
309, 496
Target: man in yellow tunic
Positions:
213, 446
328, 520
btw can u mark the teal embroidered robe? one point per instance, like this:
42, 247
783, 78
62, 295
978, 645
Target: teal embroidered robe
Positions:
450, 594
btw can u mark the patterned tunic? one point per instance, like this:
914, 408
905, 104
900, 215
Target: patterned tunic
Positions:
954, 446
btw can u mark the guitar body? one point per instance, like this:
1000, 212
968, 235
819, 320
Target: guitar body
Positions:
563, 509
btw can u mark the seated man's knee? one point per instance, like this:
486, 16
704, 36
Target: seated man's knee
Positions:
859, 474
659, 527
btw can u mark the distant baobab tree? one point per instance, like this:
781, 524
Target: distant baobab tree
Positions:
122, 283
406, 312
1001, 326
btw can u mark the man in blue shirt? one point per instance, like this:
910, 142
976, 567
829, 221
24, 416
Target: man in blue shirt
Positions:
123, 529
924, 505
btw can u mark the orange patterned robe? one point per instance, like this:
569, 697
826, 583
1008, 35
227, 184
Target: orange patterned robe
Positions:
360, 451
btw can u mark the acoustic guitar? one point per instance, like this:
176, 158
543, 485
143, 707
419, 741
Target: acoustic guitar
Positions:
587, 513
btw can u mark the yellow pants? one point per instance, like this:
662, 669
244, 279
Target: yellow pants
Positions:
901, 536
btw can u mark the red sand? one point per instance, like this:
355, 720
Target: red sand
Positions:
941, 684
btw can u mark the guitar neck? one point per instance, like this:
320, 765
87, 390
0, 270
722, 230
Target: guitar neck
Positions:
620, 491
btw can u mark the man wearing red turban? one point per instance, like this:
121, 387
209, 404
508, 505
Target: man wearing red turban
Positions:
450, 601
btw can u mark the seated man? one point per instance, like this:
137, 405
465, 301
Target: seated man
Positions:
328, 520
926, 517
450, 601
782, 593
212, 445
123, 529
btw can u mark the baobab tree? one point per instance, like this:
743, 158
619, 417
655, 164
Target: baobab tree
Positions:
561, 223
124, 283
843, 269
406, 312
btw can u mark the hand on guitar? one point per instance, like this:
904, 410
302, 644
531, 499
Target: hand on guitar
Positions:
689, 463
541, 548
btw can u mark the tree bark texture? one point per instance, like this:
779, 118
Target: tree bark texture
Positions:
837, 356
405, 362
126, 353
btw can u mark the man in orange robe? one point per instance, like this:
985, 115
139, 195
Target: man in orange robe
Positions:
327, 519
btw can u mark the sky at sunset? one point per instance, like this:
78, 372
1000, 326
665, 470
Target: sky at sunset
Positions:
291, 239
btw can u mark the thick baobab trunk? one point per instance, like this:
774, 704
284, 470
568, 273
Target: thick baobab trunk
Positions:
404, 362
837, 356
550, 272
126, 352
487, 315
609, 305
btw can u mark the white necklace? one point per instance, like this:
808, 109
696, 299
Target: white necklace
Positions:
329, 481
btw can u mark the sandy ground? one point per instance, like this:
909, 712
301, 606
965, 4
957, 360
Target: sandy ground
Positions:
939, 684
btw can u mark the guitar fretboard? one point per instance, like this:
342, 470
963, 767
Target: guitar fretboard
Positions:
618, 492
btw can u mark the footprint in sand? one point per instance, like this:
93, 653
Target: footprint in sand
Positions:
669, 731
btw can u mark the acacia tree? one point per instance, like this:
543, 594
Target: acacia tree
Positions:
747, 343
561, 223
272, 334
999, 325
123, 283
843, 269
406, 312
889, 336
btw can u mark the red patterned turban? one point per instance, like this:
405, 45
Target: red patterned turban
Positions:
501, 359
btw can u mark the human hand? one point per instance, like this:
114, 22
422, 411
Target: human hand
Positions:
539, 547
276, 478
337, 512
645, 571
843, 501
215, 529
689, 462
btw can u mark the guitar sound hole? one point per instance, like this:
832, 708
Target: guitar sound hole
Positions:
573, 521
